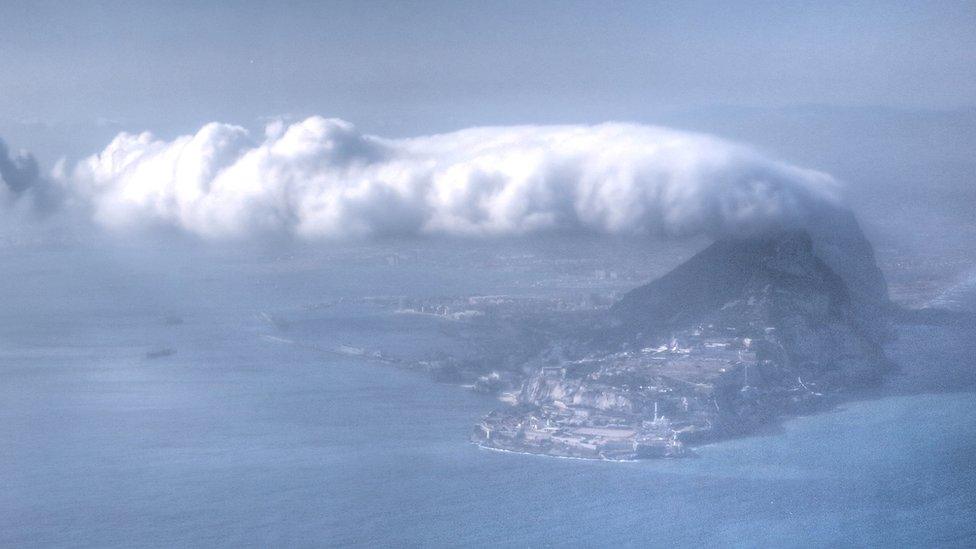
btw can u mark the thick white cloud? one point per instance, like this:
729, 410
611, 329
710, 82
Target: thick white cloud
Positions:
321, 178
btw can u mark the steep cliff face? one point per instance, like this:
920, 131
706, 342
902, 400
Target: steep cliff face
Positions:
840, 243
544, 387
744, 332
775, 290
831, 249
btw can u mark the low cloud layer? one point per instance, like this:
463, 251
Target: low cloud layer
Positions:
321, 178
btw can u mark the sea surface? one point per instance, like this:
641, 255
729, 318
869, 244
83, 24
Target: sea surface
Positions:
247, 435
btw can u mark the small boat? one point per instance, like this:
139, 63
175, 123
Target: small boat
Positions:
160, 353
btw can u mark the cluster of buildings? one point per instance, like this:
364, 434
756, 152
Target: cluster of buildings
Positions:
625, 405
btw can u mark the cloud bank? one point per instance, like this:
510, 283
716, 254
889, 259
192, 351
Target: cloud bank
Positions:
321, 178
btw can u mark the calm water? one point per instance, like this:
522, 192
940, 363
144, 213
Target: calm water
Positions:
237, 440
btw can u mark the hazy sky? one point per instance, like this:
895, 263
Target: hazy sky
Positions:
402, 68
882, 95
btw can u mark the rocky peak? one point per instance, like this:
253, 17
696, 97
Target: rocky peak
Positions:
730, 272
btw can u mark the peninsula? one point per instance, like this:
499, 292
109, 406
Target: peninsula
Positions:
747, 331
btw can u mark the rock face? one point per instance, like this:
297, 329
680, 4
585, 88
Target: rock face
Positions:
742, 333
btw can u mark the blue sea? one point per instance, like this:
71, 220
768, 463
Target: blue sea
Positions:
248, 436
